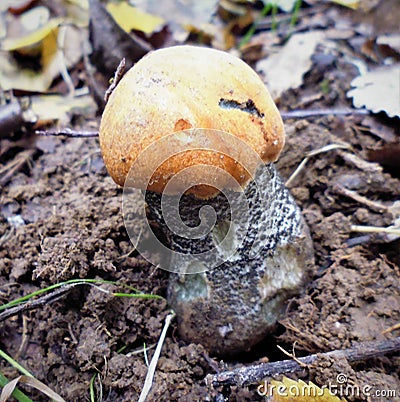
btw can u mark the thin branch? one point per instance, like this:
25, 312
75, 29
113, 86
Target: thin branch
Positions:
303, 163
61, 60
24, 157
35, 303
292, 355
376, 229
300, 114
253, 374
374, 205
67, 132
392, 328
119, 72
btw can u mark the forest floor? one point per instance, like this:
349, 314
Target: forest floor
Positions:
70, 225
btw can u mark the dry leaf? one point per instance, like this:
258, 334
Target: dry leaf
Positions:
378, 90
285, 69
15, 6
78, 12
380, 129
181, 13
110, 42
299, 391
30, 20
50, 108
386, 155
393, 41
53, 60
31, 381
131, 18
31, 38
353, 4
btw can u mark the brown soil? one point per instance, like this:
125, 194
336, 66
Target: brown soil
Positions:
73, 228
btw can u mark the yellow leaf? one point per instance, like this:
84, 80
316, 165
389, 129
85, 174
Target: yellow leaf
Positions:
60, 108
49, 47
57, 54
299, 391
81, 3
129, 18
32, 38
353, 4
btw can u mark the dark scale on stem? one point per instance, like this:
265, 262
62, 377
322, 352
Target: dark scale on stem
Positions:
231, 307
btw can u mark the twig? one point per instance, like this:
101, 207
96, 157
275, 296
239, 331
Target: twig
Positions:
67, 132
300, 114
95, 87
252, 374
359, 163
374, 205
119, 72
153, 364
6, 236
61, 60
303, 163
292, 355
141, 350
24, 338
32, 304
17, 163
392, 328
375, 229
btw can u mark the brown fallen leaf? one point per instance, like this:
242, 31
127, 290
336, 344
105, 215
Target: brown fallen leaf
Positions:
393, 41
387, 155
379, 51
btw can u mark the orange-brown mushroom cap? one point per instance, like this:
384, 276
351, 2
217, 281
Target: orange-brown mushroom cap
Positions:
188, 88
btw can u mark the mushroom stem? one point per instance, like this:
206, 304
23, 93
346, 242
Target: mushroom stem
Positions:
233, 306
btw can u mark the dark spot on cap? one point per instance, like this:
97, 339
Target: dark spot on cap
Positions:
248, 106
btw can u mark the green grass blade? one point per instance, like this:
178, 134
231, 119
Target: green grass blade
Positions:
267, 8
138, 295
91, 388
15, 364
295, 13
39, 292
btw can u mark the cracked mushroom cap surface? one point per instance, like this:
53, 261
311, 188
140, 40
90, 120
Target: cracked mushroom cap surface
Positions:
180, 90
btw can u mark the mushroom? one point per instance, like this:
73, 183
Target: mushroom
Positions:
197, 131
